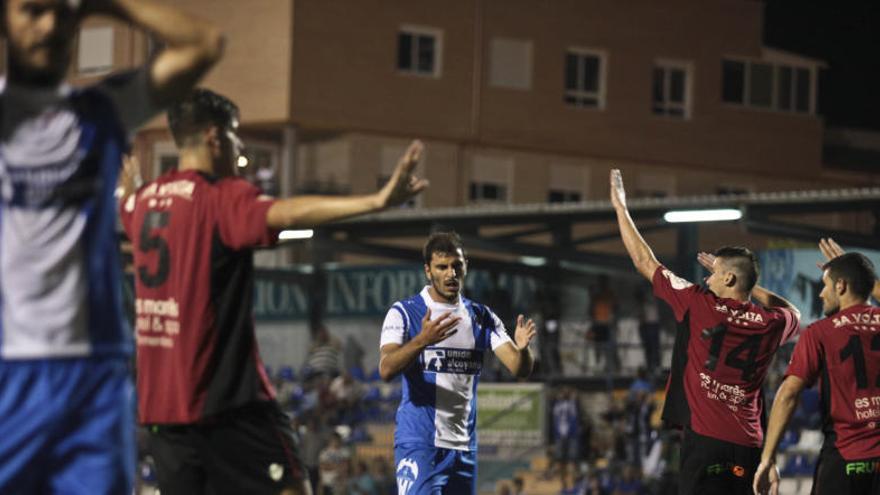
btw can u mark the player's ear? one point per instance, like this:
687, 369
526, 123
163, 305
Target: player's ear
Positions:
730, 279
428, 272
841, 287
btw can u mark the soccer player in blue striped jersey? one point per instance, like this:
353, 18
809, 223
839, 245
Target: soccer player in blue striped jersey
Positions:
66, 414
436, 339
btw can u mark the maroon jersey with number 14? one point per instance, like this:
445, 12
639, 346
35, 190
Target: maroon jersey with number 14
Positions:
722, 351
193, 236
842, 352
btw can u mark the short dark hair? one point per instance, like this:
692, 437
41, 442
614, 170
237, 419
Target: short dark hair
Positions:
744, 262
856, 269
441, 242
201, 109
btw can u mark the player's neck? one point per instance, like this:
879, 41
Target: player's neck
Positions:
846, 303
735, 295
196, 158
437, 297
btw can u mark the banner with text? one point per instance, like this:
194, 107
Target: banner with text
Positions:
510, 420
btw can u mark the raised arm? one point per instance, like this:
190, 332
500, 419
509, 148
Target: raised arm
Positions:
394, 358
767, 476
192, 45
639, 251
516, 356
765, 297
310, 211
831, 249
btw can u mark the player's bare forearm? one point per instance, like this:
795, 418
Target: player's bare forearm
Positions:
770, 299
641, 254
192, 45
526, 363
638, 250
311, 211
783, 407
395, 358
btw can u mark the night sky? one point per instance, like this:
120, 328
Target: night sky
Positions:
846, 35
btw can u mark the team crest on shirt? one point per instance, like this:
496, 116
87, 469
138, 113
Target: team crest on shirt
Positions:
446, 360
675, 281
407, 474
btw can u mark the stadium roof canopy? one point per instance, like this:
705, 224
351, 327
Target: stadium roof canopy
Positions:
375, 235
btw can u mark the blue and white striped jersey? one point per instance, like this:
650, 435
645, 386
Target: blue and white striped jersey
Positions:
439, 403
60, 153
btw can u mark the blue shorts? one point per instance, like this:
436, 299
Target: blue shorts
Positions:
66, 426
426, 470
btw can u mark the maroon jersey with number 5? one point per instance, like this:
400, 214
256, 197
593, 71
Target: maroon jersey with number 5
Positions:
842, 352
722, 351
193, 236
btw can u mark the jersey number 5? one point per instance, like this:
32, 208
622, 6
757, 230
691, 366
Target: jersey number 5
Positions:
150, 241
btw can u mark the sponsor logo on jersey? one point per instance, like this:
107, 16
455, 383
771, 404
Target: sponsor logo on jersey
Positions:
407, 474
675, 281
446, 360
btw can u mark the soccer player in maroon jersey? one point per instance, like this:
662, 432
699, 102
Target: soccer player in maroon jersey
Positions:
842, 353
722, 351
203, 392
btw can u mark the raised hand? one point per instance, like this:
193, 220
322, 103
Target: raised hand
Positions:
434, 331
524, 333
707, 260
766, 479
403, 184
618, 193
830, 249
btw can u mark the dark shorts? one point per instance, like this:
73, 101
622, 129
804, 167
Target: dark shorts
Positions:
247, 450
714, 466
836, 476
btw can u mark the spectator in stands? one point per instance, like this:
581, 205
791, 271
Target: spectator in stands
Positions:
640, 408
649, 328
353, 356
334, 464
603, 306
518, 486
566, 432
593, 485
324, 354
347, 394
630, 483
384, 477
361, 483
314, 435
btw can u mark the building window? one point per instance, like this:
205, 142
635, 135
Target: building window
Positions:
563, 196
419, 50
491, 179
510, 63
95, 50
671, 94
584, 78
767, 85
568, 181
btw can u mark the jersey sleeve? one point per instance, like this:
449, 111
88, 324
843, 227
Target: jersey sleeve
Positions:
806, 360
393, 328
132, 97
498, 336
241, 216
126, 214
792, 325
677, 292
